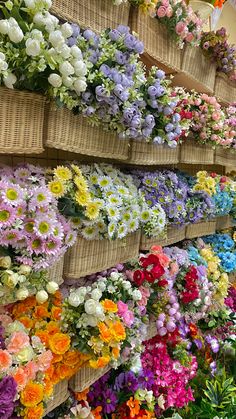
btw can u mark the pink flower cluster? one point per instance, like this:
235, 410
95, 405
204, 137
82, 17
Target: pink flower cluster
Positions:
171, 378
180, 20
29, 218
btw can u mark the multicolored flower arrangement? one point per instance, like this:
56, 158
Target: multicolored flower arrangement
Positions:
181, 22
35, 54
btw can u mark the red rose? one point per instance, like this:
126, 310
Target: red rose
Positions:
162, 283
149, 260
149, 277
157, 271
138, 277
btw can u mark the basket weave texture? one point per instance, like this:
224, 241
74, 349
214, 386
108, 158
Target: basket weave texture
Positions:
56, 271
157, 42
73, 133
174, 235
91, 256
223, 222
225, 157
203, 228
225, 90
60, 395
144, 153
85, 377
193, 153
21, 121
94, 14
197, 68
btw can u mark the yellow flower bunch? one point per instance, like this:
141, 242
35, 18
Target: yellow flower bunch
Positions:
205, 183
148, 6
219, 279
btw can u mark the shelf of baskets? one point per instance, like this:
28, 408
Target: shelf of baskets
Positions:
94, 14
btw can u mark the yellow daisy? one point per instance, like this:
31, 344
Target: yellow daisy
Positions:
81, 183
57, 188
62, 173
92, 210
82, 198
76, 169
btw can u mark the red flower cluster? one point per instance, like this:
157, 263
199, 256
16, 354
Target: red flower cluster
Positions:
191, 292
151, 271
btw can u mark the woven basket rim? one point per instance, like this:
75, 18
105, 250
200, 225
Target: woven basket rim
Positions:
24, 93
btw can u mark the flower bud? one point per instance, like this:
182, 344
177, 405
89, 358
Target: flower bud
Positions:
41, 296
5, 262
55, 80
25, 269
52, 287
22, 294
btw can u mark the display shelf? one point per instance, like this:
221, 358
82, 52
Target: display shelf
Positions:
22, 121
197, 72
173, 235
60, 395
225, 90
66, 131
94, 14
91, 256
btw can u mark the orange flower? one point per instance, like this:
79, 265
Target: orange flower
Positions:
105, 333
40, 312
134, 406
5, 360
55, 378
52, 328
56, 313
72, 358
65, 371
59, 343
50, 371
56, 358
115, 352
32, 394
44, 336
82, 395
20, 377
57, 299
27, 322
96, 412
109, 306
34, 412
118, 330
48, 388
101, 362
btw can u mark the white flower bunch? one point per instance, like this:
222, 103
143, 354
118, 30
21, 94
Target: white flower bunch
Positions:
35, 54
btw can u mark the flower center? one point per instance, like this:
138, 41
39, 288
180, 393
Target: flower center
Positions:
29, 227
36, 244
11, 194
43, 227
41, 197
4, 215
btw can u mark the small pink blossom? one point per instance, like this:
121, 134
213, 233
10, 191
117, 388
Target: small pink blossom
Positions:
161, 11
180, 27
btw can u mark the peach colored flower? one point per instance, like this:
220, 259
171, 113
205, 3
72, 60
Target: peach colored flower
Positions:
5, 360
31, 370
18, 341
21, 378
44, 360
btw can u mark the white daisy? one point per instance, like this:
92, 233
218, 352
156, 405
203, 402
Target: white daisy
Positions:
89, 232
112, 229
113, 213
104, 182
115, 200
133, 225
122, 231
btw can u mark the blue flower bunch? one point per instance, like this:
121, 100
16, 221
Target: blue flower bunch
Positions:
224, 246
227, 261
194, 256
223, 201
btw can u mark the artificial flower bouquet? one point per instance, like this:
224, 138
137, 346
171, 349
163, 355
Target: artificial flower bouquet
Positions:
224, 247
35, 54
107, 320
181, 22
216, 47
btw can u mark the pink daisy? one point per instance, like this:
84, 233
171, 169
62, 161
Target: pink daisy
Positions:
13, 194
7, 215
44, 226
52, 246
22, 173
41, 198
35, 245
9, 236
70, 238
24, 260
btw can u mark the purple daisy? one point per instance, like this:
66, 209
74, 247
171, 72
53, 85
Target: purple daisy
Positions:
44, 226
109, 401
7, 215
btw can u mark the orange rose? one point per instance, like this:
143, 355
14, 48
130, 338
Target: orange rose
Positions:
52, 328
40, 312
56, 358
109, 306
57, 299
50, 371
65, 371
72, 358
56, 313
20, 377
82, 395
101, 362
48, 388
105, 333
44, 336
34, 412
118, 330
59, 343
32, 394
26, 321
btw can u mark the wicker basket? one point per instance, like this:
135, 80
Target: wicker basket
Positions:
143, 153
223, 222
174, 235
21, 121
196, 71
157, 42
60, 395
56, 271
225, 90
202, 228
85, 377
193, 153
91, 256
73, 133
225, 157
94, 14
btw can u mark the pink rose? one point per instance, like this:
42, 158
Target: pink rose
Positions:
180, 27
189, 37
144, 291
122, 308
130, 275
31, 370
165, 3
18, 341
44, 360
169, 11
161, 11
215, 116
197, 102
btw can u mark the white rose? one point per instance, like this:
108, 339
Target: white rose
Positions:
32, 47
82, 291
126, 285
55, 80
21, 278
76, 52
56, 38
10, 279
64, 51
100, 313
25, 269
90, 306
41, 296
66, 69
12, 22
67, 81
52, 287
15, 326
10, 80
92, 320
66, 30
30, 3
80, 86
39, 19
137, 295
25, 355
4, 26
3, 65
15, 34
36, 34
101, 285
96, 294
80, 68
115, 275
74, 299
22, 294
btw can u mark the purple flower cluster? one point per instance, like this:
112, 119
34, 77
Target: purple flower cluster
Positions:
8, 390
